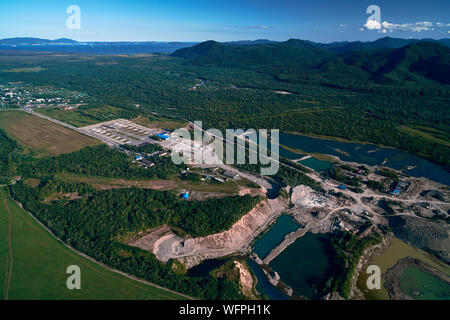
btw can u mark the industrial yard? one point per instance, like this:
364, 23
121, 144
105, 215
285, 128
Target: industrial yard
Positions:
121, 131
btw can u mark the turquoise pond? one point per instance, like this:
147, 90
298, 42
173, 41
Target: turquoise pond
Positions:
305, 264
422, 285
275, 235
316, 164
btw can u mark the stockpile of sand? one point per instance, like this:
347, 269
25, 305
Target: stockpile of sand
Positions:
304, 196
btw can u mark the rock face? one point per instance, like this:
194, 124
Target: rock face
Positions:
245, 280
423, 234
193, 250
242, 231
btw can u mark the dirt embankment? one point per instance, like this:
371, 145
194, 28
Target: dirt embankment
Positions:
245, 280
147, 240
192, 251
355, 292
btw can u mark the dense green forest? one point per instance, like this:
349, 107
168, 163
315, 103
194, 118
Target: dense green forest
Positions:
7, 148
100, 161
147, 148
346, 251
95, 223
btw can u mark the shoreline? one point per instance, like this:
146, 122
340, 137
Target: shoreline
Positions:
393, 277
344, 140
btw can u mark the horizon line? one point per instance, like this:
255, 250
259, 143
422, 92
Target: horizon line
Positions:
200, 41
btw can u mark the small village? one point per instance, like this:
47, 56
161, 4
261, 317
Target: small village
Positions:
18, 94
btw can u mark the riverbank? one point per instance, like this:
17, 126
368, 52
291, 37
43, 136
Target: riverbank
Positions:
364, 153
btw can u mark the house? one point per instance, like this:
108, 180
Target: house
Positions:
398, 188
185, 195
342, 187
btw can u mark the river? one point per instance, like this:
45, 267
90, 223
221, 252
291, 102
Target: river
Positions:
365, 153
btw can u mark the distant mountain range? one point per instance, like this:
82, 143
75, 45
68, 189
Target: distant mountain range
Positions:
233, 55
37, 41
92, 47
422, 59
339, 47
384, 60
383, 43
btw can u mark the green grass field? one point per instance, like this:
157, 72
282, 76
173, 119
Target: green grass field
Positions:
430, 134
84, 115
40, 263
159, 122
42, 136
32, 69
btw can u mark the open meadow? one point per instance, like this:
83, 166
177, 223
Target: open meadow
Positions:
45, 137
38, 263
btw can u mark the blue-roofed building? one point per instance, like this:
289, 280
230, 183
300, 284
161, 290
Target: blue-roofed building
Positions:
342, 187
163, 136
138, 158
396, 191
185, 195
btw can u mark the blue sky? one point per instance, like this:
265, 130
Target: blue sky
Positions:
200, 20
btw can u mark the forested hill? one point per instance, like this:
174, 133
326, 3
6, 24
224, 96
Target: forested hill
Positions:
409, 63
212, 53
412, 62
383, 43
35, 41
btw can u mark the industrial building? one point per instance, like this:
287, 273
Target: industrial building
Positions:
399, 188
231, 174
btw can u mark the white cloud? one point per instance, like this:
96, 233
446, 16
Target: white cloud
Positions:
372, 25
258, 27
425, 24
389, 27
386, 26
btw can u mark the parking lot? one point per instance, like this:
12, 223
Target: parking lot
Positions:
121, 131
